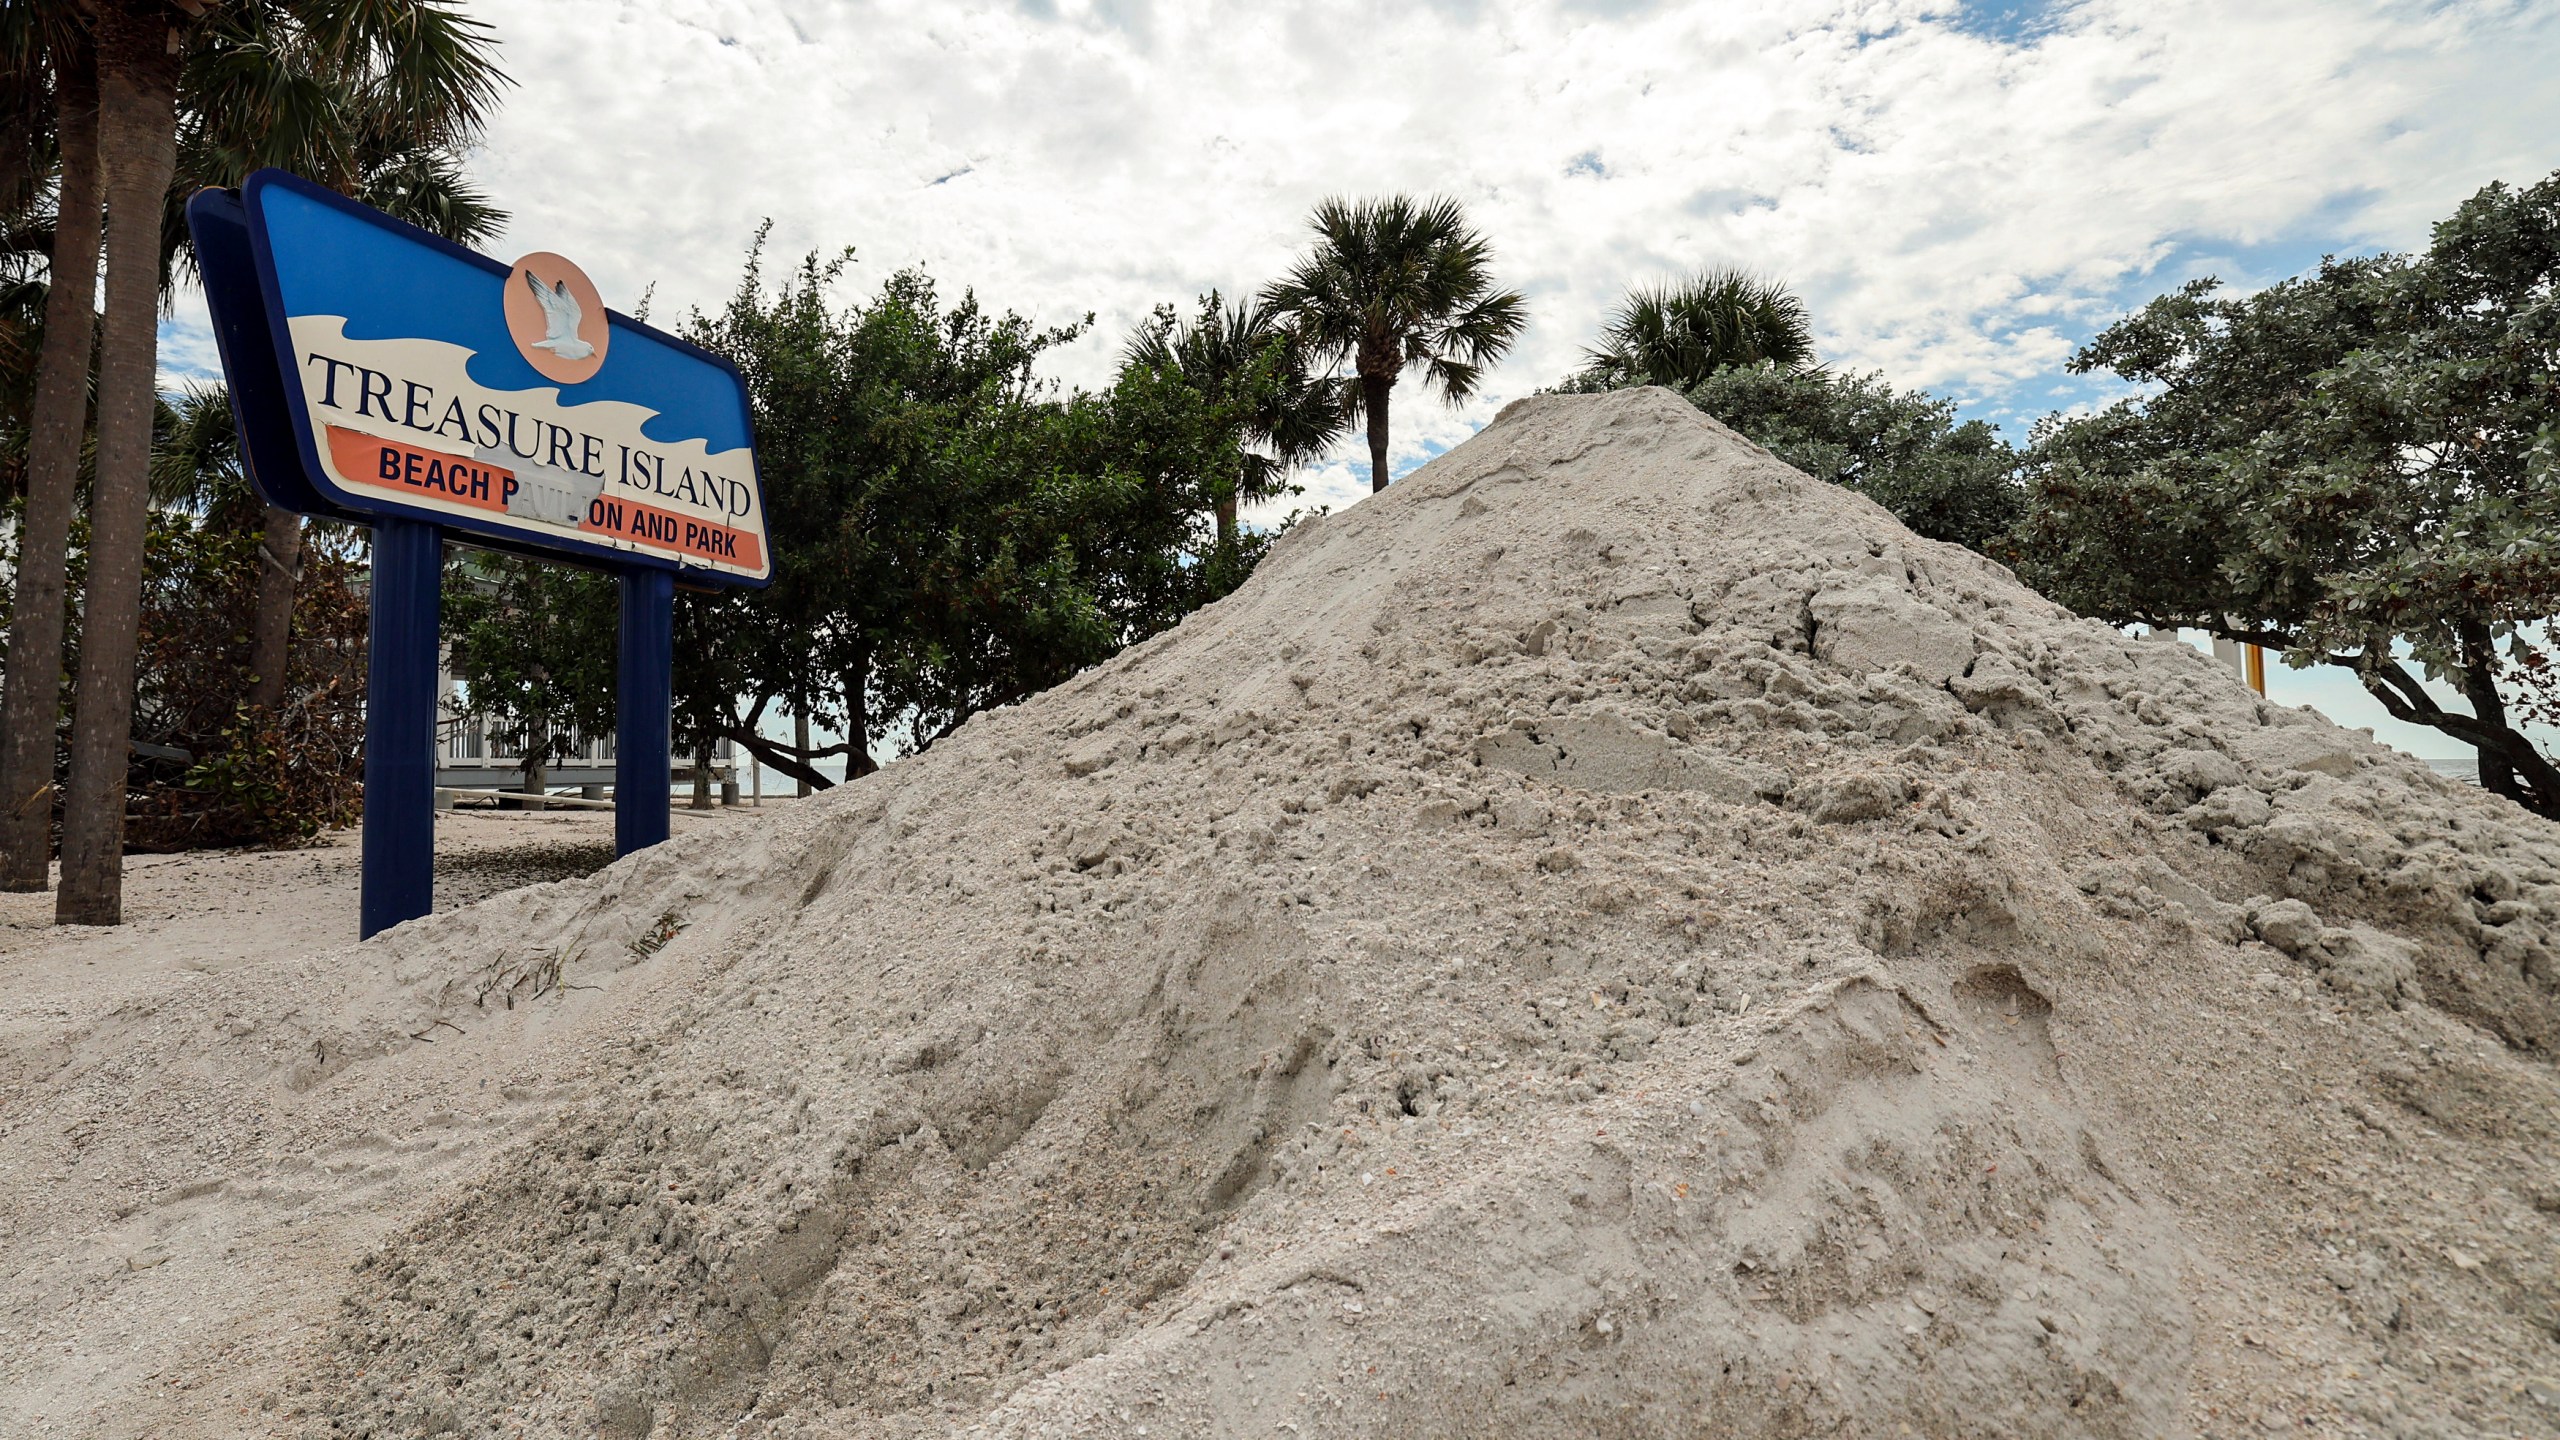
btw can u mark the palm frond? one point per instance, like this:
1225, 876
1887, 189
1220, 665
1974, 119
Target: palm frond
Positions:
1398, 282
428, 189
195, 457
373, 98
1682, 333
1241, 360
428, 64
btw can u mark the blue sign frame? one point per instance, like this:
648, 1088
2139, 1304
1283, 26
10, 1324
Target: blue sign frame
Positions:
237, 255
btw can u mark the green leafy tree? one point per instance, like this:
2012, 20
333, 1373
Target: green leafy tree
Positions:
1681, 334
1903, 449
2359, 467
879, 430
919, 574
534, 646
950, 532
792, 642
1396, 284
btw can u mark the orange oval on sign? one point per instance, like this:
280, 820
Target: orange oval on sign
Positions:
556, 318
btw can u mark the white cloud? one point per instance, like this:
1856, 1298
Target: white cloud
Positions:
1959, 210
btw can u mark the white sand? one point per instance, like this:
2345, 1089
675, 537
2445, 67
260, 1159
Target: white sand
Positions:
1611, 938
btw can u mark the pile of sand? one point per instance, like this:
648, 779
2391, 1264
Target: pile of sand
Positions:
1611, 937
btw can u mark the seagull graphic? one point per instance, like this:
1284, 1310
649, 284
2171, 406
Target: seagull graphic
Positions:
560, 319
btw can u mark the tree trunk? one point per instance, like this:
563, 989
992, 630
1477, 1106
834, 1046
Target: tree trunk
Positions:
2510, 765
857, 718
1227, 521
1374, 390
702, 779
271, 639
800, 741
537, 774
31, 696
137, 149
2480, 688
771, 752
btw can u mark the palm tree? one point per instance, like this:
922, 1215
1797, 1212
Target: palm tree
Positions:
260, 91
1678, 335
431, 72
1393, 284
137, 107
53, 39
1242, 359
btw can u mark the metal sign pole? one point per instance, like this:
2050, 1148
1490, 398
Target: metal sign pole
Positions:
644, 692
400, 724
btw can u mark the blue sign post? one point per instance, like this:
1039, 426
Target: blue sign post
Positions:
643, 685
386, 377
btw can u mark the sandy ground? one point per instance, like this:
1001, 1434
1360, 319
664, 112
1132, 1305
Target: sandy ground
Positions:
1610, 939
208, 911
192, 918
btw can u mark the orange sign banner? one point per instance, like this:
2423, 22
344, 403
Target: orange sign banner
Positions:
668, 530
406, 469
425, 474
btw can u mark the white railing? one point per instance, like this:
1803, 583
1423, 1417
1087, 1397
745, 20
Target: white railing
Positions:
466, 740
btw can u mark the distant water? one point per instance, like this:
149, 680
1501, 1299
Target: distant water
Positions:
2466, 770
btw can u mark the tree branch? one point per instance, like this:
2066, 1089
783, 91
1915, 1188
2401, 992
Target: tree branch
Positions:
2374, 670
786, 758
2407, 701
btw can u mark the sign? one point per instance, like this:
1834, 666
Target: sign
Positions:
387, 377
426, 381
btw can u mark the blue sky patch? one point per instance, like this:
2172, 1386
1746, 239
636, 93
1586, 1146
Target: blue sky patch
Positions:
2011, 22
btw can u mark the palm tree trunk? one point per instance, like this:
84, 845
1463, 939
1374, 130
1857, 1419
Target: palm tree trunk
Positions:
1373, 392
1226, 506
31, 696
800, 741
271, 638
137, 149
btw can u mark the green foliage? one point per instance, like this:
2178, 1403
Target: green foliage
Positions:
950, 532
1680, 335
1399, 283
2352, 466
533, 646
377, 99
1247, 378
209, 771
195, 456
266, 780
1903, 449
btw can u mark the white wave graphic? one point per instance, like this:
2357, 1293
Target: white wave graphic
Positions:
548, 494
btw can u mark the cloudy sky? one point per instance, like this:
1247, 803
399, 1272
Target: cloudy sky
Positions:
1962, 191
